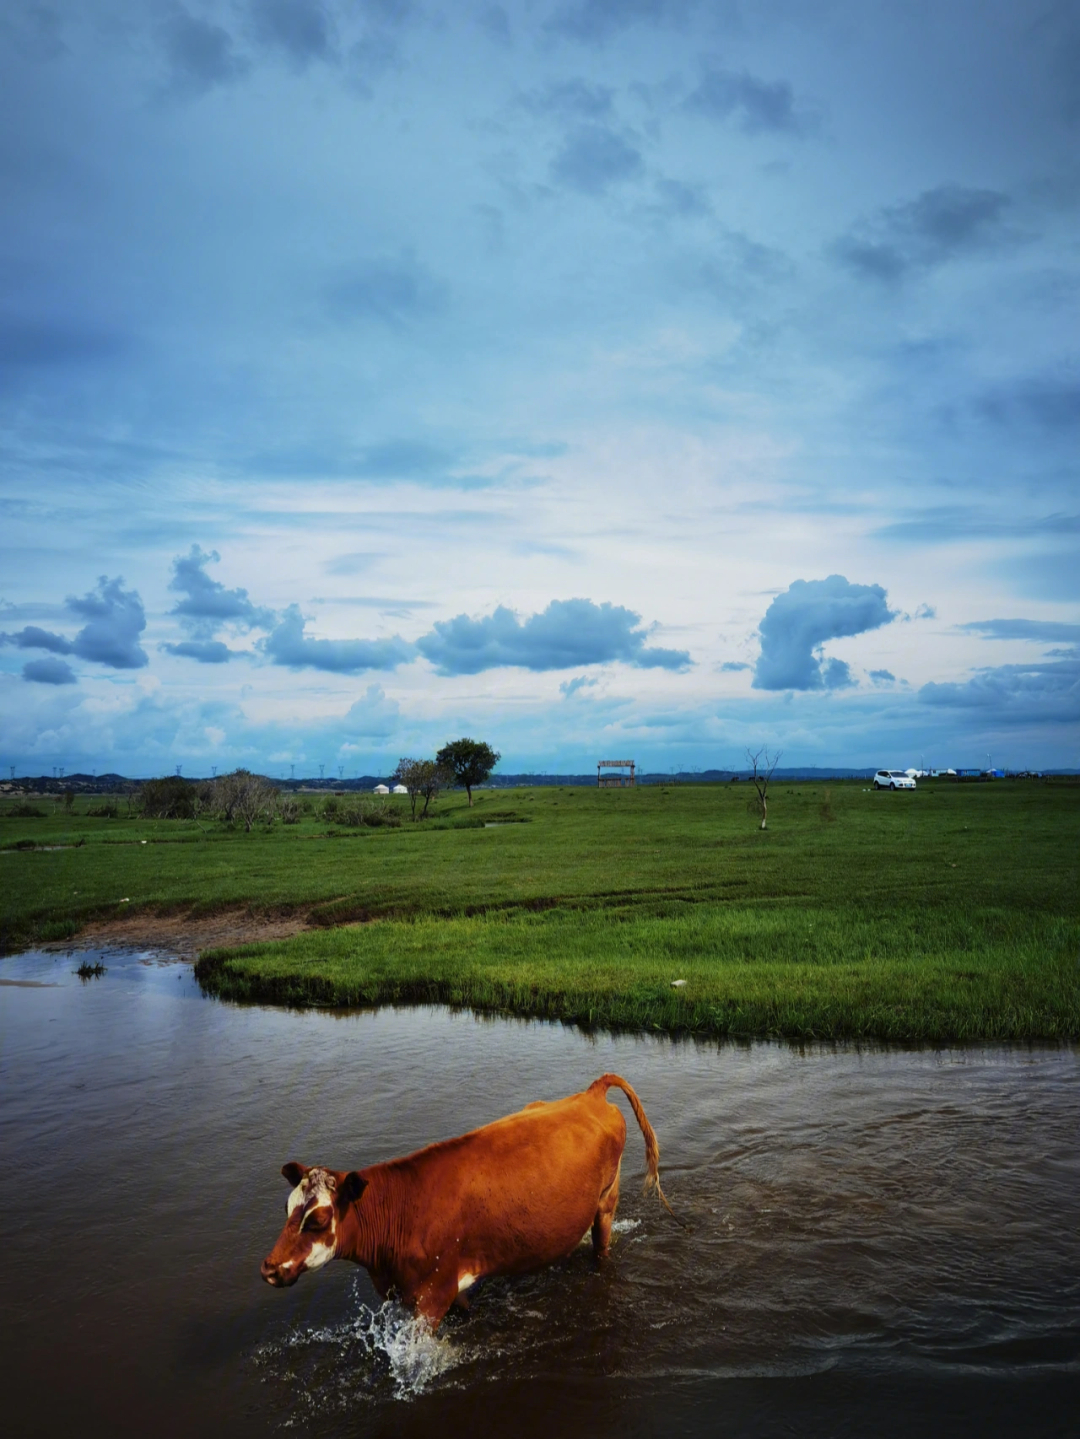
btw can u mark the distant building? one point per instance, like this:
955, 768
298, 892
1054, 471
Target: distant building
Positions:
615, 781
399, 789
381, 789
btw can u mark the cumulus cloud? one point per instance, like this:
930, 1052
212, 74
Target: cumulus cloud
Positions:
593, 158
207, 604
115, 619
287, 644
566, 634
939, 225
733, 666
49, 672
759, 106
883, 677
1052, 630
802, 619
1042, 692
373, 716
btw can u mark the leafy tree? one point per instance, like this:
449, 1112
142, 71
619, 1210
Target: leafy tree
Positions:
469, 761
245, 796
421, 777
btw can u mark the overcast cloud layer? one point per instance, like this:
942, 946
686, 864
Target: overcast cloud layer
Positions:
601, 379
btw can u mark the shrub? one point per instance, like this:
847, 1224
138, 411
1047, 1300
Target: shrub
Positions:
108, 810
25, 811
168, 798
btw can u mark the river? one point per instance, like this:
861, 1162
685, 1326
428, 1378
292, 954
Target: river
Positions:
876, 1241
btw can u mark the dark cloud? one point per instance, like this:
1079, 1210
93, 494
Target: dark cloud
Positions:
733, 666
798, 623
1050, 403
35, 344
593, 158
573, 99
207, 604
49, 672
759, 106
1044, 692
392, 291
34, 31
399, 459
939, 225
303, 30
207, 652
676, 197
288, 645
568, 633
200, 53
115, 619
883, 677
598, 20
579, 682
1023, 630
31, 637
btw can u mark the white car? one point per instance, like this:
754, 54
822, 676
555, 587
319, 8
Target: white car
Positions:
893, 779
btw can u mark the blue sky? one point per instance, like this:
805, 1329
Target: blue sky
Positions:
632, 378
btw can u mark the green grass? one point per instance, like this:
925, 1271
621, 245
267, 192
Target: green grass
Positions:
947, 914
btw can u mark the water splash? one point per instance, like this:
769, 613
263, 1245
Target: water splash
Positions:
364, 1355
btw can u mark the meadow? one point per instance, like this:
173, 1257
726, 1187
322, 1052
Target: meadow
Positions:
945, 914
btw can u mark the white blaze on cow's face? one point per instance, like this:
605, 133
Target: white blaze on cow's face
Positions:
309, 1239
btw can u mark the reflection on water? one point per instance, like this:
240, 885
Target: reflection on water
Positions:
875, 1239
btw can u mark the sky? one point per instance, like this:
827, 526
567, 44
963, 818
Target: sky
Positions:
624, 379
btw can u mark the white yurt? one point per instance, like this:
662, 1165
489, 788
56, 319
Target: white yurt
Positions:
400, 789
381, 789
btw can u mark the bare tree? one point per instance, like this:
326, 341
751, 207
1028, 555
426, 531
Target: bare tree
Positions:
762, 768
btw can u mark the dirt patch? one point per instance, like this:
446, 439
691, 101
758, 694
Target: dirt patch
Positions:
187, 934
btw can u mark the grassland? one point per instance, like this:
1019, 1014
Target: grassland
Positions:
947, 914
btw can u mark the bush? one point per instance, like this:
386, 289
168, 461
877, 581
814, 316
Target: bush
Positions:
289, 811
104, 811
25, 811
168, 798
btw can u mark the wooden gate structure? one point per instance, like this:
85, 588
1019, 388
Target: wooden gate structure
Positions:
614, 781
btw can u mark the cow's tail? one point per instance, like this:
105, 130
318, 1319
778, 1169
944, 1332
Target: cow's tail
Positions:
652, 1148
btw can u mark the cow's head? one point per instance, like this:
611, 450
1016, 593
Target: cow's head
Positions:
318, 1203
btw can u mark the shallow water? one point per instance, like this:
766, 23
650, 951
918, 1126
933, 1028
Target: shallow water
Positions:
877, 1241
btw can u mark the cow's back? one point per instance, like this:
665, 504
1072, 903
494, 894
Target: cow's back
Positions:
516, 1193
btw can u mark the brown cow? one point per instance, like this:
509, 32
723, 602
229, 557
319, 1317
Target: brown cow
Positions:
509, 1197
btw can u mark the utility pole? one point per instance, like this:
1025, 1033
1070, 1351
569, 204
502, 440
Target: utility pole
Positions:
292, 771
213, 770
321, 768
341, 771
177, 771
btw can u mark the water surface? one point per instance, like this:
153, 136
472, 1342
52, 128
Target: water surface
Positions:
876, 1241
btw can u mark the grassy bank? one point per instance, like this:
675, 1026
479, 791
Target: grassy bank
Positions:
950, 913
805, 973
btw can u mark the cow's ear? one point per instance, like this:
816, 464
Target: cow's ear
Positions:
351, 1188
293, 1172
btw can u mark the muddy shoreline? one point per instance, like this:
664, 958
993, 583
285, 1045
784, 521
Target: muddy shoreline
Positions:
186, 933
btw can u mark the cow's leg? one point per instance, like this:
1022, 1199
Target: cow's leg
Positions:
605, 1213
433, 1297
